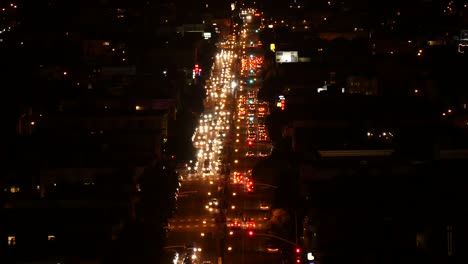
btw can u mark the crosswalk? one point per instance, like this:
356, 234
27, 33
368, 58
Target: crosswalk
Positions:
188, 220
184, 223
181, 227
197, 178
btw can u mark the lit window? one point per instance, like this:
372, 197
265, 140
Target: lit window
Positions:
11, 240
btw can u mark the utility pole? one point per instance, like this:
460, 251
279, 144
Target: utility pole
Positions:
295, 223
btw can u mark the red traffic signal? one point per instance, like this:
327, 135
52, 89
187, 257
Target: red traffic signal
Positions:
298, 250
298, 260
250, 143
251, 233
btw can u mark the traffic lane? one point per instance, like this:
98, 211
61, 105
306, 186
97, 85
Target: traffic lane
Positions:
256, 146
192, 220
193, 184
259, 218
196, 187
205, 246
191, 206
243, 164
253, 201
181, 238
194, 225
194, 204
259, 194
245, 248
248, 207
253, 258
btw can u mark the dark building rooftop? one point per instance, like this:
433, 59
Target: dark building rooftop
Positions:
359, 107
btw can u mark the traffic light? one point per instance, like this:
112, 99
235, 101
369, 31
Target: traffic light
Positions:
250, 143
251, 81
251, 233
297, 250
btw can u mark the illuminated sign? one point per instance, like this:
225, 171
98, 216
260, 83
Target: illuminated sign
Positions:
462, 47
287, 56
463, 41
272, 47
207, 35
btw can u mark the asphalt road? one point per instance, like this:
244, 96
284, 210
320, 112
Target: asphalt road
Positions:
195, 224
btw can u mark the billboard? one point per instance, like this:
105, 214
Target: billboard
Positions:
207, 35
287, 56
